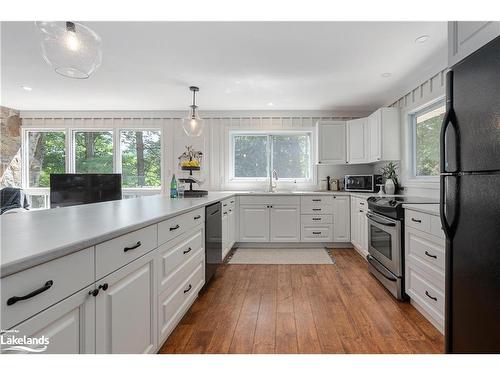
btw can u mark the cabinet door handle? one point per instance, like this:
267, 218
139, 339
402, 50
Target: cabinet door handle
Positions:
230, 210
416, 220
197, 217
15, 299
224, 205
316, 209
232, 201
430, 255
431, 297
360, 210
125, 249
316, 218
188, 289
104, 286
174, 228
94, 292
316, 200
316, 232
362, 203
187, 251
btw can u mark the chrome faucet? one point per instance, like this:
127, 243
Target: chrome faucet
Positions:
272, 185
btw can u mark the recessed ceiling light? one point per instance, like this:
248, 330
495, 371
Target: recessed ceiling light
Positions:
386, 75
27, 88
270, 104
422, 39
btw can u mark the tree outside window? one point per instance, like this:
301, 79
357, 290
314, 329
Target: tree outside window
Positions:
46, 155
93, 152
427, 128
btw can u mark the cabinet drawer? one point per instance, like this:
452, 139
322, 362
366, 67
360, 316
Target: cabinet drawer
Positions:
174, 302
426, 248
427, 294
436, 227
229, 204
175, 254
418, 220
316, 219
173, 227
317, 233
316, 210
54, 281
270, 199
316, 200
115, 253
362, 204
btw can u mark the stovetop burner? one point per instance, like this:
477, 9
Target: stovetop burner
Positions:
393, 206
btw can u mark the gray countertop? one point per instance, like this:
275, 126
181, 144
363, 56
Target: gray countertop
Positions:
35, 237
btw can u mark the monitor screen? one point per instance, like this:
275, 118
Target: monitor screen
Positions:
71, 189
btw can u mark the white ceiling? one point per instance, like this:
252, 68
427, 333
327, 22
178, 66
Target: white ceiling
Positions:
238, 65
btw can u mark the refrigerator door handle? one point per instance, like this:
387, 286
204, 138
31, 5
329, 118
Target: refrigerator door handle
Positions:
449, 119
442, 206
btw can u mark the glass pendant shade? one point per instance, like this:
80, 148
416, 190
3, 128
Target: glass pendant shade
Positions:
73, 49
193, 124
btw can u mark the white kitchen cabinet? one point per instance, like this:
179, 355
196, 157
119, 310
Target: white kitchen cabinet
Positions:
231, 227
285, 223
358, 146
254, 223
69, 325
354, 222
359, 226
383, 125
363, 232
465, 37
341, 218
126, 309
225, 233
332, 142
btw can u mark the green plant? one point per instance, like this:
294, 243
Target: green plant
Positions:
389, 172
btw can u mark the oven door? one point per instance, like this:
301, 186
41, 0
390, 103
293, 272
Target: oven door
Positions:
384, 242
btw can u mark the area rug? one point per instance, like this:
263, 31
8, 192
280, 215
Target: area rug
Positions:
281, 256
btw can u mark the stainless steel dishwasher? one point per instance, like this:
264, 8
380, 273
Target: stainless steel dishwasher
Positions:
213, 239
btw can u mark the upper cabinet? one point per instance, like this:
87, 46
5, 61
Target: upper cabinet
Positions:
385, 142
358, 145
465, 37
332, 142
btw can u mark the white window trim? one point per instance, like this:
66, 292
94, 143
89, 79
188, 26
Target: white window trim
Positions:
412, 179
232, 132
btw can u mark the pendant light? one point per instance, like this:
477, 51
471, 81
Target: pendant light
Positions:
73, 49
193, 124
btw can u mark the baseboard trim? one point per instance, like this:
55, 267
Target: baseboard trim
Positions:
291, 245
361, 252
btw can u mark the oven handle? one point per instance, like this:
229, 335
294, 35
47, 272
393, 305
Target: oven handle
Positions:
372, 261
386, 223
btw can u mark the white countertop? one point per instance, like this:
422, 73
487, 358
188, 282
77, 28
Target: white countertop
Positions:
35, 237
432, 209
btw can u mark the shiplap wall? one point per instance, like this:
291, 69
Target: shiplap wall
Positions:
427, 93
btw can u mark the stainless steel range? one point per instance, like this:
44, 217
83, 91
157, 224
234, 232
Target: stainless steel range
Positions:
386, 240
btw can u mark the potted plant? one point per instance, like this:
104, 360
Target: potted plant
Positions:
391, 178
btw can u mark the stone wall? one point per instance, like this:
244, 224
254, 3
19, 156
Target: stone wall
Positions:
10, 148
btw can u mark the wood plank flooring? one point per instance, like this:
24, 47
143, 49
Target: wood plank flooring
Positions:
338, 308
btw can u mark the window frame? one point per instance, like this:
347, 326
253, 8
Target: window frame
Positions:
269, 134
428, 107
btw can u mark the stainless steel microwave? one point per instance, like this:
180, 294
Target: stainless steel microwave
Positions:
362, 182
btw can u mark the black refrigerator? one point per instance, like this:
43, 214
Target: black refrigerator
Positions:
470, 202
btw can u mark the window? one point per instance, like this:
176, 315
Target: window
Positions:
426, 130
141, 158
93, 151
46, 155
255, 155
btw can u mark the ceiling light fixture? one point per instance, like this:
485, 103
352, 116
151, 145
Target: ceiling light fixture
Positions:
73, 49
193, 124
386, 75
270, 104
422, 39
26, 88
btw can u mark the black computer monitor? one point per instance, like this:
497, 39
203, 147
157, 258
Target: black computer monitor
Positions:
71, 189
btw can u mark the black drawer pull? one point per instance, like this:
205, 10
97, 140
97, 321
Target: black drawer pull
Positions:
103, 286
316, 218
197, 217
230, 210
94, 292
430, 255
415, 220
362, 203
224, 205
431, 297
316, 209
125, 249
232, 201
47, 286
361, 211
174, 228
188, 289
316, 232
316, 200
187, 251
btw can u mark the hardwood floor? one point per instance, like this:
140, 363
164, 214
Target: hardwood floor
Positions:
301, 309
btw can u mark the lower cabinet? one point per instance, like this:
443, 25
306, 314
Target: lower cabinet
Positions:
341, 218
225, 233
285, 223
359, 226
69, 326
254, 223
126, 309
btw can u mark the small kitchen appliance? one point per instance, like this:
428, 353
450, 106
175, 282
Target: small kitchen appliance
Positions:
366, 183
